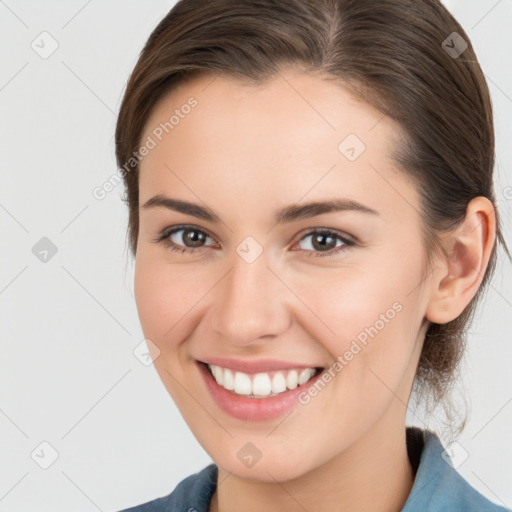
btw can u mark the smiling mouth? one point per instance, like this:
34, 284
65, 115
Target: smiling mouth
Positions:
262, 384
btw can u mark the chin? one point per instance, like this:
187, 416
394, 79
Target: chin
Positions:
273, 464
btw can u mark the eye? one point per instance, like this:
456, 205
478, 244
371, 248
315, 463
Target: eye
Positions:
325, 241
320, 242
184, 239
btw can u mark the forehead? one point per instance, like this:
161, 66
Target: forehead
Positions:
292, 134
307, 104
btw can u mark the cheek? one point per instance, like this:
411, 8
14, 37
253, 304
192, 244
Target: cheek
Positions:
167, 299
367, 315
343, 303
165, 296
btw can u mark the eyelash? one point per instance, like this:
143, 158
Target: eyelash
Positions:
164, 239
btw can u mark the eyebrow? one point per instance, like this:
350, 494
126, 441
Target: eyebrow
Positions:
287, 214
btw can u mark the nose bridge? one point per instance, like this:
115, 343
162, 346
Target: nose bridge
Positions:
250, 303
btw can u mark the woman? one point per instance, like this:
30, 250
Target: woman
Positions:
311, 210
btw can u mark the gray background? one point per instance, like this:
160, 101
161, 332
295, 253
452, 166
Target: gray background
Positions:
69, 325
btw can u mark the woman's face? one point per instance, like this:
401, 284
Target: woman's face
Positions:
262, 282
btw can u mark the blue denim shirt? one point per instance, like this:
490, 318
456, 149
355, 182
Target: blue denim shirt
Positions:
437, 486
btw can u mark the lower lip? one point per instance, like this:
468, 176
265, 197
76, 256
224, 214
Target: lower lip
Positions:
253, 409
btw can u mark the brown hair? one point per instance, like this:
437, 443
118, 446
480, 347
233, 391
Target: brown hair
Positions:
400, 56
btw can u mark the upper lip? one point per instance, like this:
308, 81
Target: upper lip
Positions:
256, 366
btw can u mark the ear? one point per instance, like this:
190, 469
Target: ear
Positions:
460, 273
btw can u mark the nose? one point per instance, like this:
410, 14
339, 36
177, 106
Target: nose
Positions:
250, 303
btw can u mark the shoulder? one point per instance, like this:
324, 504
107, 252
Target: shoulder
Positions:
193, 494
438, 486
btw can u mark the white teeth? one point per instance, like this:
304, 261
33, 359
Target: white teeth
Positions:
292, 379
260, 385
219, 375
305, 375
243, 384
229, 380
278, 383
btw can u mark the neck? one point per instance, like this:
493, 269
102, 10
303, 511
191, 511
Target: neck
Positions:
374, 474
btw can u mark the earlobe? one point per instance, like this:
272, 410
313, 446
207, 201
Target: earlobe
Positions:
467, 252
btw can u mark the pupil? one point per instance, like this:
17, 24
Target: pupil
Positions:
194, 238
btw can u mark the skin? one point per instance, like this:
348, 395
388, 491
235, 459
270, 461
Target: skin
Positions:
245, 152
